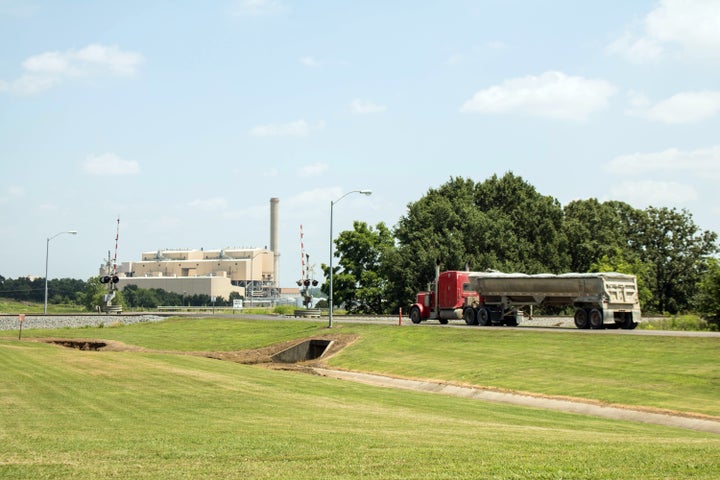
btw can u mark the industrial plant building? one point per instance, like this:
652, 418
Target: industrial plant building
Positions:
252, 273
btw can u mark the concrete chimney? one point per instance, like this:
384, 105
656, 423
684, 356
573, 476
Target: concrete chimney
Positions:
274, 203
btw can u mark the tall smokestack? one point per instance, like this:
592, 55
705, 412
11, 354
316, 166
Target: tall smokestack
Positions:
274, 202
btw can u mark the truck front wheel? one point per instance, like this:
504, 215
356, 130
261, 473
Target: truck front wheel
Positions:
415, 315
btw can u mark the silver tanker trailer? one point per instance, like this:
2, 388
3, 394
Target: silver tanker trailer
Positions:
600, 299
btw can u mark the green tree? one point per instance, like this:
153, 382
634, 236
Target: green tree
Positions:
92, 295
707, 299
358, 282
594, 230
677, 253
502, 223
528, 225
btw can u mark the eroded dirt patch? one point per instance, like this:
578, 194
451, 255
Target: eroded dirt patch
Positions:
86, 345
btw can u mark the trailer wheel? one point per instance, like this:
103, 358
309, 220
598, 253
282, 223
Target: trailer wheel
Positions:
484, 317
596, 319
627, 322
469, 316
415, 315
581, 318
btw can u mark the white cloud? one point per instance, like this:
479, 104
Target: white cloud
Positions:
45, 70
364, 107
703, 162
310, 62
650, 192
674, 27
636, 50
255, 8
110, 164
12, 192
312, 198
298, 128
684, 107
552, 94
209, 204
313, 170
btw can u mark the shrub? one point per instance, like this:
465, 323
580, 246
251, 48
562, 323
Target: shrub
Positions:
687, 322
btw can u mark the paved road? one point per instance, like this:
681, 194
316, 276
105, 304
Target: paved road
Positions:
550, 324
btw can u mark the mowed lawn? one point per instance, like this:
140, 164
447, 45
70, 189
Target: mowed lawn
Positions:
72, 414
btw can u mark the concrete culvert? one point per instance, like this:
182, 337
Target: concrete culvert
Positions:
307, 350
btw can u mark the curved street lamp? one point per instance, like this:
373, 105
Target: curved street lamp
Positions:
47, 254
330, 297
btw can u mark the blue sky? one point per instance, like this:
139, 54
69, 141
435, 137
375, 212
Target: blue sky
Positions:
184, 118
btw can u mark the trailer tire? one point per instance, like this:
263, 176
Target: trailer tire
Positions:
627, 322
581, 319
483, 317
415, 315
469, 316
596, 319
511, 321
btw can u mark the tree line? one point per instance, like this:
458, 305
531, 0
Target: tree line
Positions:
503, 223
89, 294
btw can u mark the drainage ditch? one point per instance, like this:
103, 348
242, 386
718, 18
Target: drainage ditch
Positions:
81, 345
307, 350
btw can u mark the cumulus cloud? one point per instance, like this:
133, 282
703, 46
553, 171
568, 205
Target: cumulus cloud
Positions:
364, 107
552, 95
674, 27
651, 192
313, 170
109, 164
45, 70
704, 162
255, 8
298, 128
683, 107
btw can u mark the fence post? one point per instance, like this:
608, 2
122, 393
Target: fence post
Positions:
21, 319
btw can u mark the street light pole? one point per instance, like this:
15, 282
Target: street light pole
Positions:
47, 255
330, 297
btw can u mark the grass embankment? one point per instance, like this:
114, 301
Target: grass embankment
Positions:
72, 414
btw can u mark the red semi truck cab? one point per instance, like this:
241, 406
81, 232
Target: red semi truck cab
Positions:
452, 288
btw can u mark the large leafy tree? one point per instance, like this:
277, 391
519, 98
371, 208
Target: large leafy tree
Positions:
595, 230
502, 223
707, 299
677, 252
532, 240
358, 282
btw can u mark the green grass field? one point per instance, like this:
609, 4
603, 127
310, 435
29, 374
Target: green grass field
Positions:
73, 414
